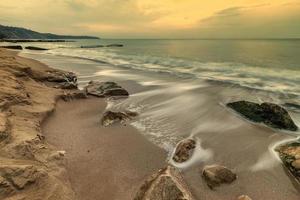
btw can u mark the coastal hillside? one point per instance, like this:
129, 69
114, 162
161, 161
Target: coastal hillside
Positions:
8, 32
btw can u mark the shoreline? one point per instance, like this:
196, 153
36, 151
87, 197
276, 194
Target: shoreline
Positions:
273, 178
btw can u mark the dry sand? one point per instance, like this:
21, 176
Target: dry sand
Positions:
28, 166
102, 162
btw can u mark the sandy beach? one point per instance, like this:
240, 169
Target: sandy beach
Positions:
102, 162
68, 154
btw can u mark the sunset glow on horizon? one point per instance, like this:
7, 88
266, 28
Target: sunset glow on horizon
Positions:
157, 19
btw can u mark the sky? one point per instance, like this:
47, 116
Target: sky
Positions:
157, 18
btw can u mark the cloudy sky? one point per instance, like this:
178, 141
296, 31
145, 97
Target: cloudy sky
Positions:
157, 18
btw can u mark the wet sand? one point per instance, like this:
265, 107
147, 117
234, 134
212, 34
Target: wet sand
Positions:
102, 162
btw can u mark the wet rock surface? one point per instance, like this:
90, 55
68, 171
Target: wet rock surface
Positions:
290, 155
184, 150
105, 89
110, 117
268, 113
166, 184
215, 175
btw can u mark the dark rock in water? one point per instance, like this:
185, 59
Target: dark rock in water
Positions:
267, 113
17, 47
105, 89
184, 150
115, 45
166, 184
110, 117
290, 156
215, 175
36, 48
91, 46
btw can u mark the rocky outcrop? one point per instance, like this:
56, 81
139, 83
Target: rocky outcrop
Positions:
36, 48
26, 97
215, 175
15, 47
268, 113
290, 156
105, 89
110, 117
166, 184
184, 150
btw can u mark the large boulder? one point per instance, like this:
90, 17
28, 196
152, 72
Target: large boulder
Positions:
290, 156
268, 113
166, 184
215, 175
60, 79
110, 117
184, 150
105, 89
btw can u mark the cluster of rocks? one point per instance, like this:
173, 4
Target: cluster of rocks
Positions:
168, 184
270, 114
110, 90
19, 47
277, 117
290, 156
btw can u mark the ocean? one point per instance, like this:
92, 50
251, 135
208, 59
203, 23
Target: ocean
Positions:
271, 65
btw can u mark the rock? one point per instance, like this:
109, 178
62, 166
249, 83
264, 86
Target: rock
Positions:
20, 176
5, 187
110, 117
268, 113
36, 48
3, 127
289, 153
184, 150
61, 79
215, 175
244, 197
105, 89
115, 45
91, 46
166, 184
16, 47
77, 94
